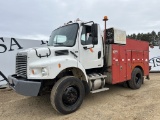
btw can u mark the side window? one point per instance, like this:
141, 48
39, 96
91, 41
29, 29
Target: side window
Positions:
83, 36
86, 36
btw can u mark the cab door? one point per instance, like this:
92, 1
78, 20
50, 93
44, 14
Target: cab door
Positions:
90, 47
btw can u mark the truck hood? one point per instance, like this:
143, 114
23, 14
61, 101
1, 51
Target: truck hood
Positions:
48, 51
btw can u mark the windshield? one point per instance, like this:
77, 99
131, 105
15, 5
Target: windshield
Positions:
64, 36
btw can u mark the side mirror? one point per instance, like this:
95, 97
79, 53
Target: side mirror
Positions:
94, 30
95, 41
159, 43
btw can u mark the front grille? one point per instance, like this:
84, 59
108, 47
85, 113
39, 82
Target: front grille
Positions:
21, 65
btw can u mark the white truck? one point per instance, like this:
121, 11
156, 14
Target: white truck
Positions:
79, 59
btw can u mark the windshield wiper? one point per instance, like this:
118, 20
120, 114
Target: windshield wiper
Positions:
58, 44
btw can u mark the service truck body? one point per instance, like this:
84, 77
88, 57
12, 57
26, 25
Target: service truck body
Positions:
124, 58
79, 59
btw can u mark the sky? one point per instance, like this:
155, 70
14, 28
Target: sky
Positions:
36, 19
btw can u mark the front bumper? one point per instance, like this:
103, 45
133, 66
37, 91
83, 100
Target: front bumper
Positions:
23, 86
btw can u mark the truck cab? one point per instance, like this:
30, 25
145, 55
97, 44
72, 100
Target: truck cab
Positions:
82, 41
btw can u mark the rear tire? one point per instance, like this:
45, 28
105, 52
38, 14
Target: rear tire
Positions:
136, 79
67, 94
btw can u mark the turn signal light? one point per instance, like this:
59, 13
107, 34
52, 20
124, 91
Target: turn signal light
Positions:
59, 65
33, 72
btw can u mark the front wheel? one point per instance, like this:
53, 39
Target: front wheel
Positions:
136, 79
67, 94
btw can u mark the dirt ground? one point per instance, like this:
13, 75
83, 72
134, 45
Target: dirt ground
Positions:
118, 103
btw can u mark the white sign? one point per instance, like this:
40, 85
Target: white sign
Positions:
8, 50
154, 58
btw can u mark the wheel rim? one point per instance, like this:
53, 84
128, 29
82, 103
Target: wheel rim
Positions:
138, 78
70, 95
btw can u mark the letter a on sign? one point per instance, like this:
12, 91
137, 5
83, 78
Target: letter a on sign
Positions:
16, 43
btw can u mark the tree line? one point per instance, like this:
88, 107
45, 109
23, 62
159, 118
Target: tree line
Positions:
151, 37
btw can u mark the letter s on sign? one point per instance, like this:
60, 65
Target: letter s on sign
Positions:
2, 45
158, 61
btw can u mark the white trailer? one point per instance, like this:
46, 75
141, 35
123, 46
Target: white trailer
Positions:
8, 50
154, 59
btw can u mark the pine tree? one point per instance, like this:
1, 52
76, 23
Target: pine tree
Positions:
149, 37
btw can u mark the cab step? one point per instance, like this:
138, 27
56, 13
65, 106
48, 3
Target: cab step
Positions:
99, 90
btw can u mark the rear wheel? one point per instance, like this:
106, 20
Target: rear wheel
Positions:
67, 95
136, 79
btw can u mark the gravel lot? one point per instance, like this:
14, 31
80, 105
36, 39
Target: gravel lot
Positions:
116, 104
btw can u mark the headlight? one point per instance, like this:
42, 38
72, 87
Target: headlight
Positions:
44, 72
38, 72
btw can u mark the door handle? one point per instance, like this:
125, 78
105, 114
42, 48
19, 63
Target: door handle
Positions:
99, 54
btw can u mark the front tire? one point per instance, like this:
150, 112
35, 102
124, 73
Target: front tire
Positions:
136, 79
67, 94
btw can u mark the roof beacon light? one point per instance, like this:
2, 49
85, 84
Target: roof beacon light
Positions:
105, 18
